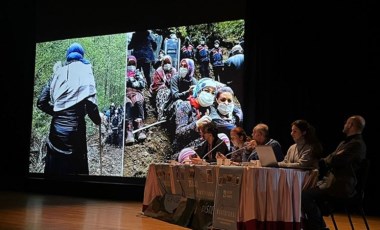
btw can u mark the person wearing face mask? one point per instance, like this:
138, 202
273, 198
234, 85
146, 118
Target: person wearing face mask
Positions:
187, 50
182, 84
203, 58
160, 88
181, 88
134, 107
142, 46
159, 59
190, 114
224, 112
216, 60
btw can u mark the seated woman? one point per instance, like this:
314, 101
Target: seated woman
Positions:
182, 84
184, 156
224, 112
239, 142
134, 106
307, 149
212, 146
160, 87
181, 87
190, 114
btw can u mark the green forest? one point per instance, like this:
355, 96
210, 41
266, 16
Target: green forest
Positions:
107, 54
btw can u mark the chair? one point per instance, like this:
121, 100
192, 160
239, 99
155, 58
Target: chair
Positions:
356, 201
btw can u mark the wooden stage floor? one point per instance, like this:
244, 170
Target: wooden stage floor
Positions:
40, 212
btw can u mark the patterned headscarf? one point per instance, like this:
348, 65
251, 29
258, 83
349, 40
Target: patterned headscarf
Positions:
190, 67
166, 59
185, 154
225, 138
133, 59
203, 83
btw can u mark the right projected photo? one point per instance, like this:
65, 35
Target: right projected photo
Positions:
142, 98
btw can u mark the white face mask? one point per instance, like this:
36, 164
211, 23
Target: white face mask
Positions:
182, 72
206, 99
216, 45
131, 68
167, 66
225, 109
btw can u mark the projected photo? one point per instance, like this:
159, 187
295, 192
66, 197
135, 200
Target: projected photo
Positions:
111, 105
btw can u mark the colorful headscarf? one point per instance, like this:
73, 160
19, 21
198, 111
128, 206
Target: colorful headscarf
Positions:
190, 67
185, 154
131, 58
165, 60
203, 83
225, 138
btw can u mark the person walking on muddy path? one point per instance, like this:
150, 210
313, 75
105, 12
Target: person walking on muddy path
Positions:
68, 97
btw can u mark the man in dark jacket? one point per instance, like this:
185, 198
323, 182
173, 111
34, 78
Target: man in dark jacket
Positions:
143, 46
343, 163
233, 72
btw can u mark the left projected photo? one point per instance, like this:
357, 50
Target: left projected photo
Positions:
77, 125
111, 105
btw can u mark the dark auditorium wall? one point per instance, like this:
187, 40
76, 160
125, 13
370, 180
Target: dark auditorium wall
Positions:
313, 61
319, 62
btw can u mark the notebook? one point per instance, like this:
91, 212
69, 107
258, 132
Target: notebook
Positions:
266, 155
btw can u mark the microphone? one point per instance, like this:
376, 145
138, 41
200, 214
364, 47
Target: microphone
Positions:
237, 150
212, 150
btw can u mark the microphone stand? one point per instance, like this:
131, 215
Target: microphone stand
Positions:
212, 150
237, 150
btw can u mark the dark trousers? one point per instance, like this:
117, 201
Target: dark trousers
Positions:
145, 66
313, 206
217, 71
204, 69
65, 164
135, 111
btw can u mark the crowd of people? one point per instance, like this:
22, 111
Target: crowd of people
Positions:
185, 96
337, 171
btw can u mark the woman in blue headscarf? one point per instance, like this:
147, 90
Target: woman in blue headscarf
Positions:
192, 113
68, 97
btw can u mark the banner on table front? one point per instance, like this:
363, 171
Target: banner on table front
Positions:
183, 177
227, 197
205, 182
